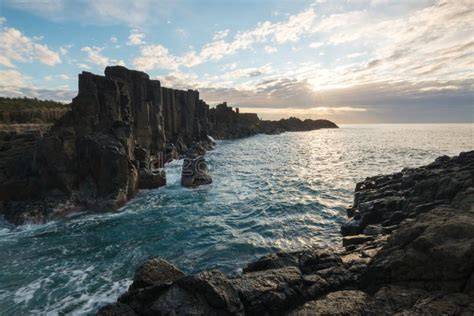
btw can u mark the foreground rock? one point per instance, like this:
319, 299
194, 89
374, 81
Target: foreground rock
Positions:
409, 250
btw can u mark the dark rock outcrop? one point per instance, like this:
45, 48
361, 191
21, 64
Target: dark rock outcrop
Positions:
419, 263
154, 272
227, 123
195, 172
99, 154
293, 124
224, 122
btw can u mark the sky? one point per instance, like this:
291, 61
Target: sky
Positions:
351, 61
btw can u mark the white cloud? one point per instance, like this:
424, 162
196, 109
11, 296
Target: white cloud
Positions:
94, 56
355, 55
62, 77
245, 72
136, 38
113, 39
291, 30
316, 44
65, 49
270, 49
220, 35
155, 56
12, 79
14, 46
84, 66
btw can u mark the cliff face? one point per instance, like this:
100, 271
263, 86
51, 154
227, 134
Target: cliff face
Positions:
101, 152
121, 129
227, 123
44, 116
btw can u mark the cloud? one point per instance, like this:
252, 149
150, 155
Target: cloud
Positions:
15, 46
316, 44
290, 30
94, 56
15, 84
83, 66
63, 50
355, 55
220, 35
113, 39
136, 38
12, 78
61, 76
155, 56
270, 49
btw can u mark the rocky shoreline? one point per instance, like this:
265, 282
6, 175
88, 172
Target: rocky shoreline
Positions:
408, 248
121, 130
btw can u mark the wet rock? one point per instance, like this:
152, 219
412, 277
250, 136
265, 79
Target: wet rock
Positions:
270, 290
352, 227
373, 230
336, 303
155, 271
275, 261
216, 289
356, 240
116, 309
437, 250
195, 172
149, 179
178, 301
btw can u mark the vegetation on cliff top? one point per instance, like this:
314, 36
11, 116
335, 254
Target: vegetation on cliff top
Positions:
27, 104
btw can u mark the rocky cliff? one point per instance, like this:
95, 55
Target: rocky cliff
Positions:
121, 129
408, 250
99, 154
225, 122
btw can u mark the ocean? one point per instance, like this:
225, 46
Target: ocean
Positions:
269, 193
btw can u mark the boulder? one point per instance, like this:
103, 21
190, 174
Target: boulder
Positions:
116, 309
342, 303
435, 251
270, 290
155, 271
195, 172
150, 179
217, 291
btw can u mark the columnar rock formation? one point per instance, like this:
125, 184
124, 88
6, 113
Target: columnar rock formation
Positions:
101, 152
122, 127
413, 255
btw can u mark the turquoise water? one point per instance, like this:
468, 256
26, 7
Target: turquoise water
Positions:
269, 193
